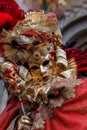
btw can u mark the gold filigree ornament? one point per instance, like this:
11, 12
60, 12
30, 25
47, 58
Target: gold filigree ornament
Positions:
23, 122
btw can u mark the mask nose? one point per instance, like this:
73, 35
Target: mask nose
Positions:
43, 69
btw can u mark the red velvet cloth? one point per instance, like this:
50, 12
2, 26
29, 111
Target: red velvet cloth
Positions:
6, 21
12, 8
71, 116
8, 114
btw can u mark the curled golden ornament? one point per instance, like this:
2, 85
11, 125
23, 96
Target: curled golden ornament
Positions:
23, 122
61, 53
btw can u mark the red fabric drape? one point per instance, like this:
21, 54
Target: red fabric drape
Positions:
8, 114
71, 116
12, 8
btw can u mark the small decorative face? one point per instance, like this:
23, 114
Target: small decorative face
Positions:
10, 75
42, 64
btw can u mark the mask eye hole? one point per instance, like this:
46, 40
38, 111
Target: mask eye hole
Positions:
35, 67
46, 63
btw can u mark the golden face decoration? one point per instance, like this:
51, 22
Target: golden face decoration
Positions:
10, 76
42, 63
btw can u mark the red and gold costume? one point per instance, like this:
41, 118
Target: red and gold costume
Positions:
44, 80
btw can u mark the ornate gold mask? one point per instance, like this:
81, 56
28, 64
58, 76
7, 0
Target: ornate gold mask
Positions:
41, 63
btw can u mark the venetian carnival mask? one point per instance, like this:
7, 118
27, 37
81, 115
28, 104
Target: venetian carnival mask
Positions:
42, 63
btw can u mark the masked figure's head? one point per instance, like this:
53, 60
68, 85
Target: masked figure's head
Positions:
39, 37
41, 62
